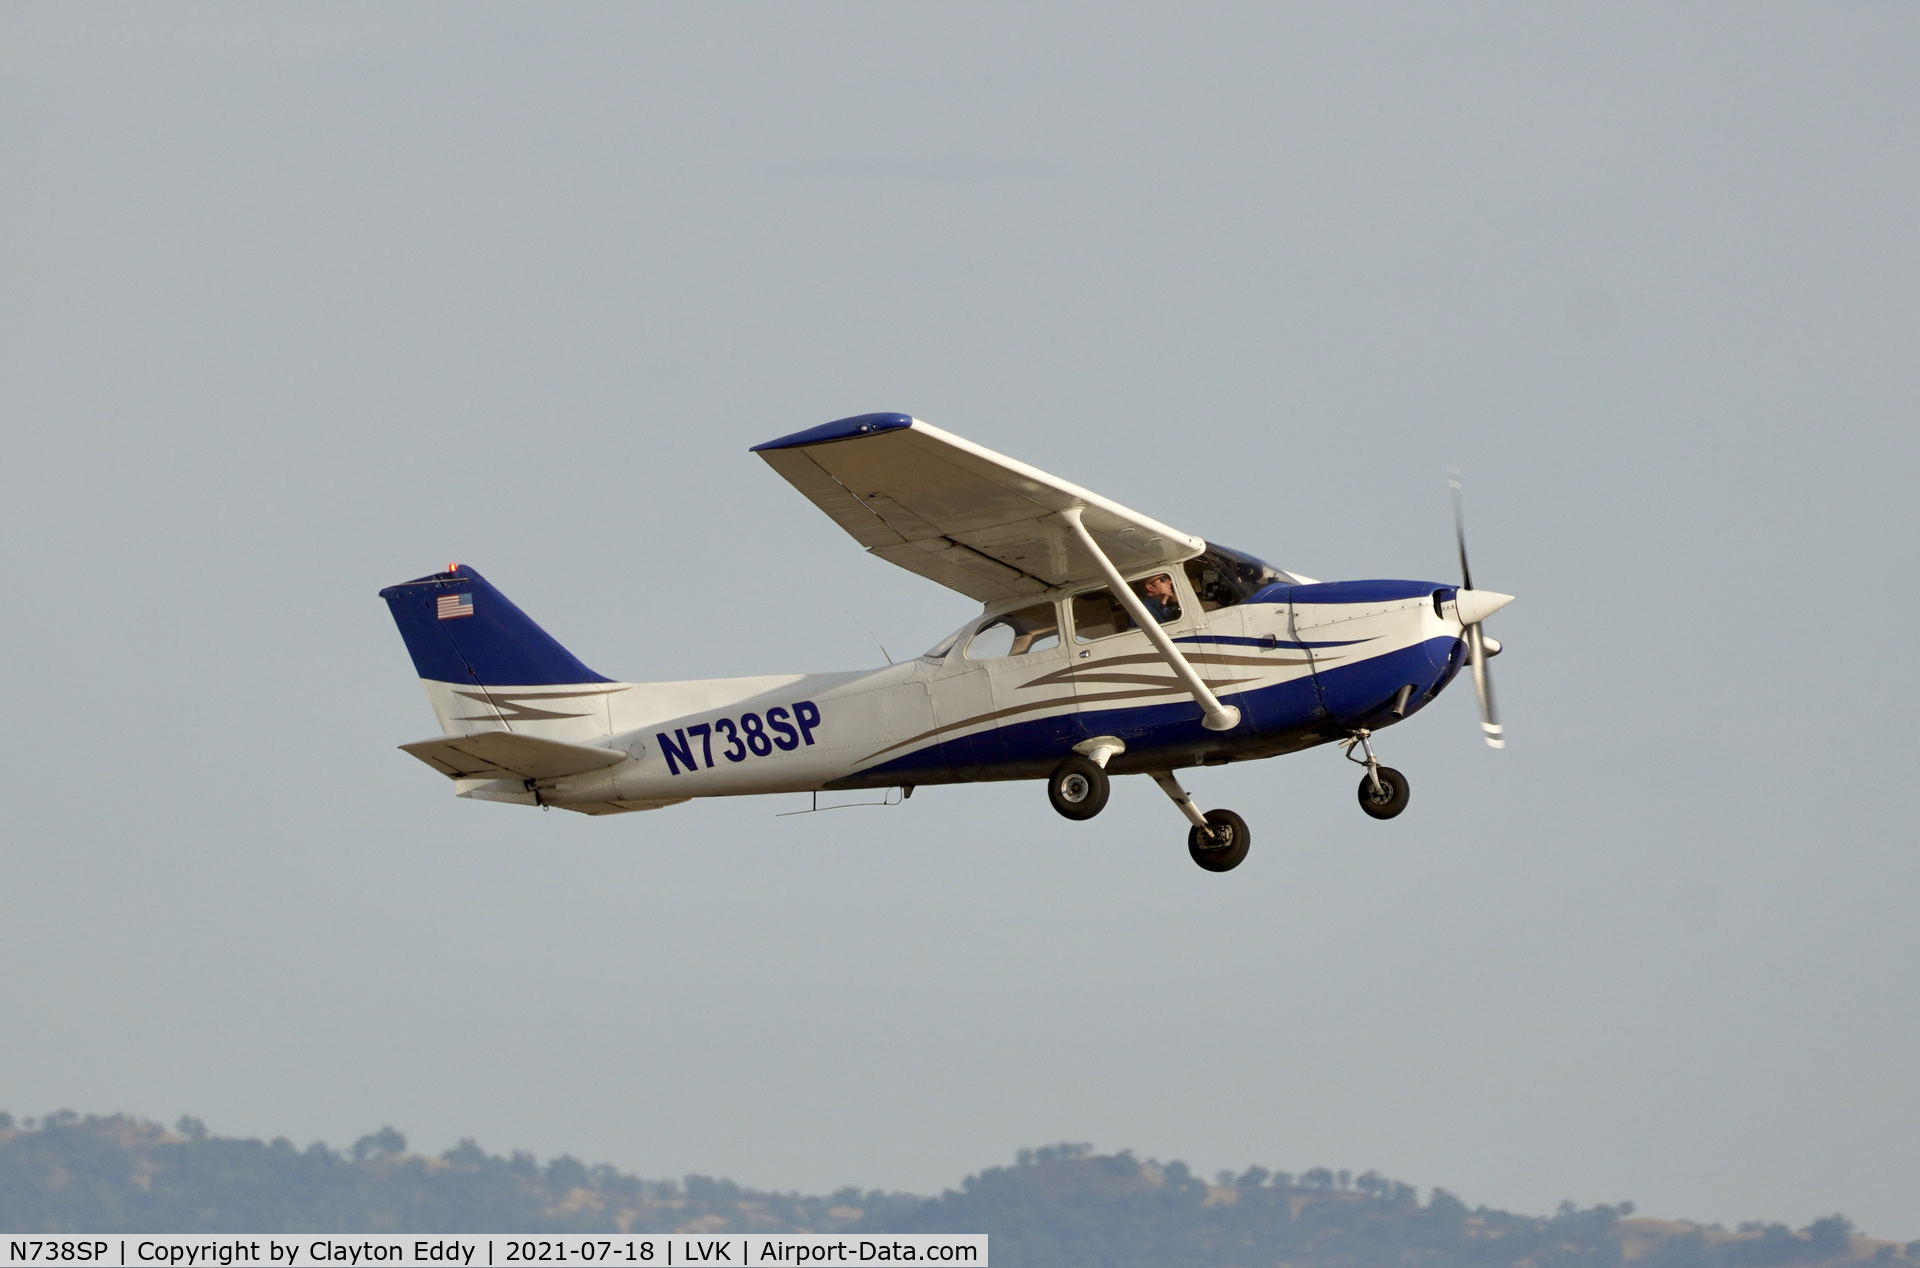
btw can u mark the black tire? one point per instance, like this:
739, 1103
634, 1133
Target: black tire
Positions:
1395, 786
1078, 788
1215, 854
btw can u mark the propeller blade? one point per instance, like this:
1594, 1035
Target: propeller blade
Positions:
1490, 727
1459, 529
1478, 606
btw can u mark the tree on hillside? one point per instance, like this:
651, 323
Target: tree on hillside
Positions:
1057, 1205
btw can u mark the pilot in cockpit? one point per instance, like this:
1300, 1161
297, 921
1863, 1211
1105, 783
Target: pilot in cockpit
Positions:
1157, 593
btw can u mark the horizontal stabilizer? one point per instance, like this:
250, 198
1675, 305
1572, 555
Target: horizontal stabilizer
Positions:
503, 755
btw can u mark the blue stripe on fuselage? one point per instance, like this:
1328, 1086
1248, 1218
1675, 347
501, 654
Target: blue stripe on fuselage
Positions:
1360, 693
1282, 718
1346, 592
1235, 640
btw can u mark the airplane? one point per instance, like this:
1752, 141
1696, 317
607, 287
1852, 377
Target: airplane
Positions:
1108, 643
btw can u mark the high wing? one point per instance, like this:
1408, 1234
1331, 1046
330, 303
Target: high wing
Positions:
959, 514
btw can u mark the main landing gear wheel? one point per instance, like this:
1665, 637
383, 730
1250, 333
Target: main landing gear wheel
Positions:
1226, 849
1391, 798
1078, 788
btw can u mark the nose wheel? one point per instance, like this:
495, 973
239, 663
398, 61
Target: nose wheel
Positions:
1383, 790
1387, 799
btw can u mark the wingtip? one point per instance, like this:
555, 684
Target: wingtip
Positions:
839, 429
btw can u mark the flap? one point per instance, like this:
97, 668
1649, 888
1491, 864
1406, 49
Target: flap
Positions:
959, 514
502, 754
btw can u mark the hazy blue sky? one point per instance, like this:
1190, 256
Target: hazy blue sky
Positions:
301, 301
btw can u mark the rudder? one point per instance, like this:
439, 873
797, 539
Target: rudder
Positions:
464, 633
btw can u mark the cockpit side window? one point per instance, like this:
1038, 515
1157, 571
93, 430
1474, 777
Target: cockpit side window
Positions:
1030, 629
1097, 614
1222, 577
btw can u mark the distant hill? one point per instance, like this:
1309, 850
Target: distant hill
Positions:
1058, 1206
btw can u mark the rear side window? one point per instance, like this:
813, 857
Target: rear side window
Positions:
1031, 629
1097, 615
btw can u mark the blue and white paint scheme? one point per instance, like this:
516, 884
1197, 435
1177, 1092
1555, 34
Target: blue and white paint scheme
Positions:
1108, 643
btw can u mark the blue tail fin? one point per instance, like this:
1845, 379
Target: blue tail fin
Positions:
460, 629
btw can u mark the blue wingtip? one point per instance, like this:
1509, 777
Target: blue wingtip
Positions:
840, 429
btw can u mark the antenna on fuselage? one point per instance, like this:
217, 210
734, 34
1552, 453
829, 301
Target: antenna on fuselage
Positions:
870, 634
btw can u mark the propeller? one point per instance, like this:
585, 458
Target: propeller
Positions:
1476, 606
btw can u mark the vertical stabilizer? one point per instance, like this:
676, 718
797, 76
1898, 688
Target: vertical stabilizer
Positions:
486, 666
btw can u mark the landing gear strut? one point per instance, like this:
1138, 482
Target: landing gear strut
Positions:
1219, 839
1383, 790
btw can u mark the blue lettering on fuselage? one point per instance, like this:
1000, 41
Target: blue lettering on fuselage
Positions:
785, 727
672, 751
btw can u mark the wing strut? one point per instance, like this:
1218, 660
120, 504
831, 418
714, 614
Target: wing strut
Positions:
1219, 717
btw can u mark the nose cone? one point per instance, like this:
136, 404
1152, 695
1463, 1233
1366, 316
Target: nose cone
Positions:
1477, 605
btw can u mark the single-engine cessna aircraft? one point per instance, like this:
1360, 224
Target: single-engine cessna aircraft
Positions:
1109, 644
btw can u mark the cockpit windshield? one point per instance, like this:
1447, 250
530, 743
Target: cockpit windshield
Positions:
1223, 577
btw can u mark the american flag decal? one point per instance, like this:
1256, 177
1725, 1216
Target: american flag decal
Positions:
452, 605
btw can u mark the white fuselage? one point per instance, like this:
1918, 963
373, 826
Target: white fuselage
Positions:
1301, 672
